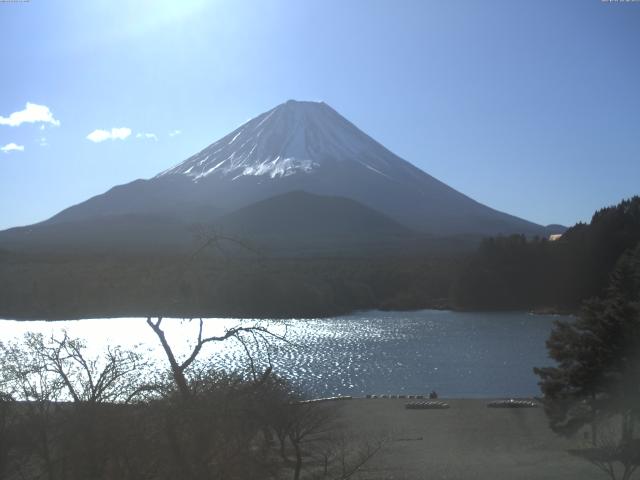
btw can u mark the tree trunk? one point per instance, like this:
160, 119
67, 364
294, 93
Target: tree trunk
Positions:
176, 449
298, 469
178, 373
627, 427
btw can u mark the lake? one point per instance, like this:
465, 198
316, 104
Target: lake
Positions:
458, 354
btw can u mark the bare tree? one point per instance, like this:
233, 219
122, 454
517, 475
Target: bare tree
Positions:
257, 333
611, 451
305, 424
110, 378
25, 377
210, 239
71, 423
314, 444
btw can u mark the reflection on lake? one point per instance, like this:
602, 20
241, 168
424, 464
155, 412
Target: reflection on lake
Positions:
459, 354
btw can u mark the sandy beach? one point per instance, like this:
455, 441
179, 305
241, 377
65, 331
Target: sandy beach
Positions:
468, 441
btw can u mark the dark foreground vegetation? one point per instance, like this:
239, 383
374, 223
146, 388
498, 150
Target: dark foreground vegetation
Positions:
66, 415
595, 385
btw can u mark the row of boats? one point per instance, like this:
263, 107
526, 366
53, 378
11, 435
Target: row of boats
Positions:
396, 396
431, 403
435, 404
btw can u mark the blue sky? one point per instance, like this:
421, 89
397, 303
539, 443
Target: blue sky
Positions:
531, 107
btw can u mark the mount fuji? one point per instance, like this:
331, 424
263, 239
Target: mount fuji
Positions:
298, 146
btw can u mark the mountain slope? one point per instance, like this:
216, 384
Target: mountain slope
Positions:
295, 223
296, 146
125, 233
298, 222
302, 214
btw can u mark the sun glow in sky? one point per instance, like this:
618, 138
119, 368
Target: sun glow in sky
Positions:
529, 107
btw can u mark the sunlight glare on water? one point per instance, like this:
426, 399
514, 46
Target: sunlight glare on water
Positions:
458, 354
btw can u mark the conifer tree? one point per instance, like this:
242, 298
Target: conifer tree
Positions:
597, 377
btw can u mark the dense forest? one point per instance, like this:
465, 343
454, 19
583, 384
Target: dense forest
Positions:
81, 286
503, 273
519, 273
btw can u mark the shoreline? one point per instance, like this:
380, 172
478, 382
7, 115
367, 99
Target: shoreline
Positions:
542, 312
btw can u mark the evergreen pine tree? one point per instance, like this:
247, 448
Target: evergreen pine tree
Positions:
597, 377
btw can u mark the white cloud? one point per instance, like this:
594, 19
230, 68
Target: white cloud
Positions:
32, 113
173, 133
151, 136
98, 135
11, 147
42, 141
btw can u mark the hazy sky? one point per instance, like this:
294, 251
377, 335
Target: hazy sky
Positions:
531, 107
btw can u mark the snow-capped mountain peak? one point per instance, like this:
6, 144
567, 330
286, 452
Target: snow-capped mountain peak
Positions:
300, 147
293, 138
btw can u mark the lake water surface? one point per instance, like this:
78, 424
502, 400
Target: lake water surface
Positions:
459, 354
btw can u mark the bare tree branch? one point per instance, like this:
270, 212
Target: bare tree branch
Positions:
178, 369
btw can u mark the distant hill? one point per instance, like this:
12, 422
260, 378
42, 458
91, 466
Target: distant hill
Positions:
299, 220
308, 215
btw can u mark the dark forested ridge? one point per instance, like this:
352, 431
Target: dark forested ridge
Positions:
504, 273
519, 273
66, 287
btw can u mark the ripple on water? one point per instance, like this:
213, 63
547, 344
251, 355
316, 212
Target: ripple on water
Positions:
457, 354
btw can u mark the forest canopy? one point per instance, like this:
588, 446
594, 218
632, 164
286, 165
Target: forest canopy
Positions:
520, 273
